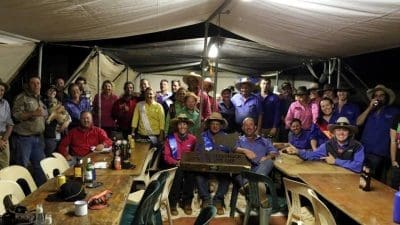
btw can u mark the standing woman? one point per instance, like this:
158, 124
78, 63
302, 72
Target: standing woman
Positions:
107, 102
6, 126
75, 105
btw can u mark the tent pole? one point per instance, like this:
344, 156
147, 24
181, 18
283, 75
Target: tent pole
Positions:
339, 68
40, 60
206, 26
98, 85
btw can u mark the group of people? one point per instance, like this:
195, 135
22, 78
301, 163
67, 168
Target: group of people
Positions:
321, 123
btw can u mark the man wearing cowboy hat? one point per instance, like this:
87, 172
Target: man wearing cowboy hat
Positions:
342, 150
246, 104
214, 125
328, 91
345, 108
6, 126
377, 119
177, 143
193, 81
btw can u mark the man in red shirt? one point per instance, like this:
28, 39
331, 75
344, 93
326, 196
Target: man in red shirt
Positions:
80, 140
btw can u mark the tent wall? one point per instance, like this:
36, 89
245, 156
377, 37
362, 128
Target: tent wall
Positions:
12, 56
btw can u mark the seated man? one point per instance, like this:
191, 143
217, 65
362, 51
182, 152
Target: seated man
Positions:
79, 140
176, 144
213, 125
342, 150
257, 149
299, 137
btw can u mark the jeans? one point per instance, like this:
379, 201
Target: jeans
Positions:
182, 187
31, 149
264, 168
223, 185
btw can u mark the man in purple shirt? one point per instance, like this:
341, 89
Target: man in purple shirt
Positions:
342, 150
345, 108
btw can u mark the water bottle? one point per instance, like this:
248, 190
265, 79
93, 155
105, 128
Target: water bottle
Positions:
39, 217
396, 207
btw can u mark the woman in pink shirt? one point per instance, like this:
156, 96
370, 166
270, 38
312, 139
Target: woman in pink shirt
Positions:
105, 105
302, 109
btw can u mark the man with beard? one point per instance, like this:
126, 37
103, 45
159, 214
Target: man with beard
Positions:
377, 119
123, 108
342, 150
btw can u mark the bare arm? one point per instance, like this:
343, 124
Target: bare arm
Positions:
363, 116
393, 148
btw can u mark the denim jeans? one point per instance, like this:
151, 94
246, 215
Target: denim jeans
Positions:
31, 149
264, 168
223, 185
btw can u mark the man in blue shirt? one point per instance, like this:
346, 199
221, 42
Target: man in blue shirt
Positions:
258, 150
298, 137
342, 150
246, 104
377, 119
345, 108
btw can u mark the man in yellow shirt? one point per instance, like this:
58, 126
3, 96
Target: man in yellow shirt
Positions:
149, 118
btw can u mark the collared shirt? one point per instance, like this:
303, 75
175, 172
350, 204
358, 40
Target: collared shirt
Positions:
5, 115
75, 110
178, 108
160, 98
208, 136
183, 146
26, 102
228, 113
249, 107
260, 146
376, 133
121, 115
304, 113
80, 140
349, 110
300, 141
270, 107
353, 165
195, 117
318, 129
206, 110
107, 103
155, 115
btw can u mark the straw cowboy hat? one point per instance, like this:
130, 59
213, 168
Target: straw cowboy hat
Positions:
181, 118
191, 74
5, 85
301, 90
342, 122
381, 87
244, 80
208, 80
215, 116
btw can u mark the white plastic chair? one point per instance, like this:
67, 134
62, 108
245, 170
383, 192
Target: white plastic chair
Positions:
322, 214
61, 158
15, 173
135, 197
50, 164
297, 212
9, 187
144, 175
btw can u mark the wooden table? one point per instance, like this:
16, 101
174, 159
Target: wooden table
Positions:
138, 156
368, 208
293, 165
63, 212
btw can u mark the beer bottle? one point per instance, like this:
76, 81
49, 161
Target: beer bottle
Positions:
365, 179
78, 170
89, 171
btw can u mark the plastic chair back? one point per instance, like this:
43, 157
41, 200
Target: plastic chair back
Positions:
144, 175
50, 165
253, 199
145, 204
293, 191
206, 215
323, 215
61, 158
151, 213
8, 187
16, 173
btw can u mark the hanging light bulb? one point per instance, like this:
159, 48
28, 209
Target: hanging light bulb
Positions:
213, 52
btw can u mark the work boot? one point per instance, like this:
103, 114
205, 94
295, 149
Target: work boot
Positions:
220, 208
187, 208
174, 211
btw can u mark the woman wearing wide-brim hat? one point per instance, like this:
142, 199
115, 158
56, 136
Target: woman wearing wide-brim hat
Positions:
342, 150
303, 109
6, 126
193, 81
176, 144
377, 118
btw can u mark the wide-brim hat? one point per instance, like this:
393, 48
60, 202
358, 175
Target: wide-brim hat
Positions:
301, 90
69, 191
216, 116
286, 85
244, 80
208, 80
344, 87
191, 74
181, 118
342, 122
381, 87
5, 85
328, 87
